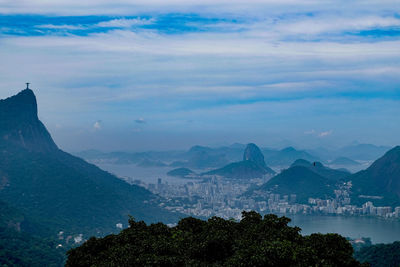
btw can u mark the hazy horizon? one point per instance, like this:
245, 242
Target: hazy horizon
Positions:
152, 76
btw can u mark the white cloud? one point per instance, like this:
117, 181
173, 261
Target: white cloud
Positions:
123, 7
318, 134
60, 27
250, 70
325, 134
216, 44
97, 125
125, 23
126, 6
328, 24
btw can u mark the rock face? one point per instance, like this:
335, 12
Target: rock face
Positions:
252, 166
20, 125
253, 153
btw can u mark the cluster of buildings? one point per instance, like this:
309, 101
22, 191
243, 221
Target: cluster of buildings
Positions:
213, 196
330, 206
227, 198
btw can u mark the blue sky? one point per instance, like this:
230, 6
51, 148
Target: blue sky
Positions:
139, 75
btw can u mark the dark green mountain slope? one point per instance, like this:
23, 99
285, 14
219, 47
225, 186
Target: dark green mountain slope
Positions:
57, 189
252, 166
20, 247
67, 193
381, 179
301, 181
319, 168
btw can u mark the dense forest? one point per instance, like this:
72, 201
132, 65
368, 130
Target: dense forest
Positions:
380, 254
254, 241
23, 249
25, 243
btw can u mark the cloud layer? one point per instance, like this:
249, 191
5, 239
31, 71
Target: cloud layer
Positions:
237, 71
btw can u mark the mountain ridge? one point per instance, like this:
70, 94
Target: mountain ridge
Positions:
298, 180
382, 178
62, 191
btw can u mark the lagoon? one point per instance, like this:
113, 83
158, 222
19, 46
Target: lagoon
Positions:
378, 229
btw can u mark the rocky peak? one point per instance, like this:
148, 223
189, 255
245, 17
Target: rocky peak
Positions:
20, 125
253, 153
21, 106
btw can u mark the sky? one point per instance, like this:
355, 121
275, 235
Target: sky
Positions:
158, 75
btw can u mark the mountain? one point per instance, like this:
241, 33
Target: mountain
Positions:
286, 156
241, 170
180, 172
254, 154
298, 180
381, 180
354, 151
343, 161
20, 126
362, 151
56, 189
198, 157
205, 158
252, 166
320, 169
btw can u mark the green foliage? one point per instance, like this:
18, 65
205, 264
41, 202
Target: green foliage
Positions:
320, 169
23, 249
254, 241
380, 255
301, 181
382, 178
65, 193
22, 243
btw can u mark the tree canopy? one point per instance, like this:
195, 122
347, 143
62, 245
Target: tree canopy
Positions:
254, 241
